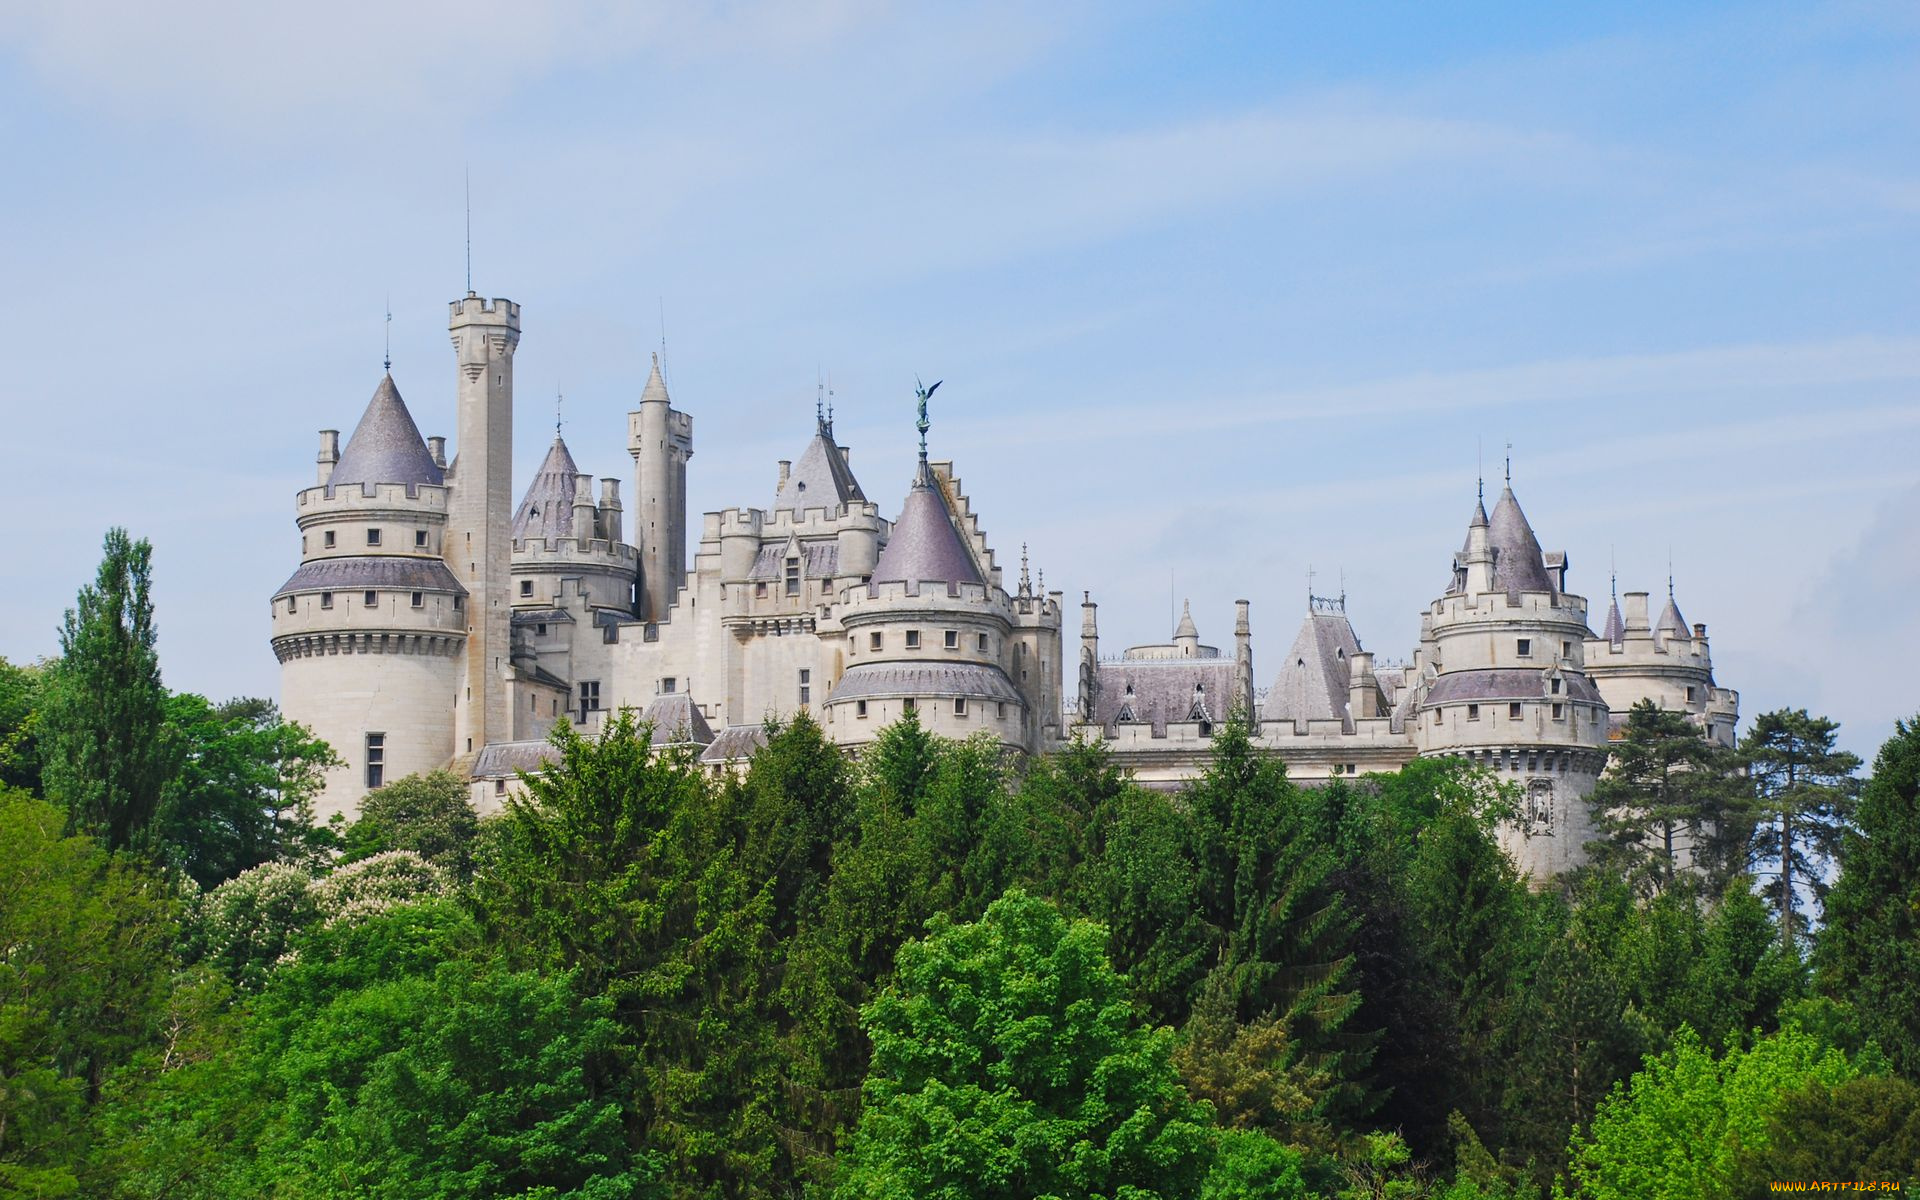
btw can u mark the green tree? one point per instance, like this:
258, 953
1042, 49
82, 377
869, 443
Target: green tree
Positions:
1677, 1130
1138, 881
429, 815
1803, 791
1863, 1129
21, 691
108, 750
617, 865
1869, 951
85, 949
243, 791
1665, 801
1006, 1064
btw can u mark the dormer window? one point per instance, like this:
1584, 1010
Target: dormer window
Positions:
373, 537
793, 577
1554, 687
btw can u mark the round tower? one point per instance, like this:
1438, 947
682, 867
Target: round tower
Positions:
1505, 685
1665, 661
563, 540
370, 629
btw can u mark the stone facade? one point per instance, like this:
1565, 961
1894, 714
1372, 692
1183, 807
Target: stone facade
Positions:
431, 624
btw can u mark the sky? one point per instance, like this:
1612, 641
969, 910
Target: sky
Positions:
1221, 294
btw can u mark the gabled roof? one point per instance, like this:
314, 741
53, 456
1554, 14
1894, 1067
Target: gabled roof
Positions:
386, 446
1155, 691
546, 511
1518, 565
1315, 676
924, 546
821, 478
677, 720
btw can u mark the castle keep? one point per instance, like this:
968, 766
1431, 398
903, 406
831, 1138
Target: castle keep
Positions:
432, 623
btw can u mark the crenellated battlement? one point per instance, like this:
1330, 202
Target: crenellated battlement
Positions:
1546, 607
476, 310
350, 499
536, 553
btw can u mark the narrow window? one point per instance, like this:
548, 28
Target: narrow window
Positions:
860, 709
959, 706
526, 587
372, 599
420, 538
1513, 712
760, 590
373, 537
793, 577
668, 684
1559, 712
873, 641
1525, 649
326, 539
1566, 649
589, 697
1689, 695
459, 602
1473, 712
419, 599
913, 639
806, 686
376, 759
499, 787
909, 705
326, 599
953, 639
980, 643
1555, 687
1000, 711
291, 605
540, 630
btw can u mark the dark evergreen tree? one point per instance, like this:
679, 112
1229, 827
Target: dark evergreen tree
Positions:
1869, 951
108, 750
1803, 792
1666, 800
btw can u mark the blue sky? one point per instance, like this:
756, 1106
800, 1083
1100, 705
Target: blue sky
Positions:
1220, 293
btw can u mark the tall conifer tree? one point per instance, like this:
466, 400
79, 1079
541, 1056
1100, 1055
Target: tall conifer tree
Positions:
1804, 790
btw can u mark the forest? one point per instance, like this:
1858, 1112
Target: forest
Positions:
933, 971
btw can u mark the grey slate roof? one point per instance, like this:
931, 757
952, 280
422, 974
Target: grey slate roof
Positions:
821, 478
1615, 630
924, 545
1155, 691
386, 446
818, 560
501, 760
1504, 683
389, 573
656, 389
677, 720
1671, 622
1314, 677
1518, 565
546, 511
734, 742
1186, 628
866, 681
541, 616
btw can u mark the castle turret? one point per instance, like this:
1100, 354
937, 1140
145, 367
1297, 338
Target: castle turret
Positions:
371, 628
1503, 683
1243, 659
1089, 697
660, 438
1665, 661
559, 547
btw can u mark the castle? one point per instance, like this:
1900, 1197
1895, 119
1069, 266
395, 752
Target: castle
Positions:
433, 623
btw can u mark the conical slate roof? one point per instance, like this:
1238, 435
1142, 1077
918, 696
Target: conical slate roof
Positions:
1615, 630
386, 446
1671, 623
924, 545
656, 390
1517, 563
821, 478
546, 511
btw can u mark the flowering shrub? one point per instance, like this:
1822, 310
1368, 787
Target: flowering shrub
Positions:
374, 885
250, 922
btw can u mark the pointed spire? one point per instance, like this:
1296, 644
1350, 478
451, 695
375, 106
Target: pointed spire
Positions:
1186, 628
924, 546
1025, 584
1518, 565
655, 392
386, 446
546, 511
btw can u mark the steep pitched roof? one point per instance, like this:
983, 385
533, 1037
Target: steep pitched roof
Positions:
1314, 678
924, 545
1186, 628
1155, 691
821, 478
1671, 623
386, 446
1615, 630
1518, 565
656, 390
546, 511
676, 720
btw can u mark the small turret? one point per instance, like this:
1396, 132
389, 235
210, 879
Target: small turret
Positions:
1186, 635
1243, 658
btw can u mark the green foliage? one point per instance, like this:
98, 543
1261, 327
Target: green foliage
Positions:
21, 691
1803, 791
1678, 1129
1252, 1166
1006, 1064
85, 941
107, 748
243, 792
1867, 1128
429, 815
1668, 800
250, 922
1869, 952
